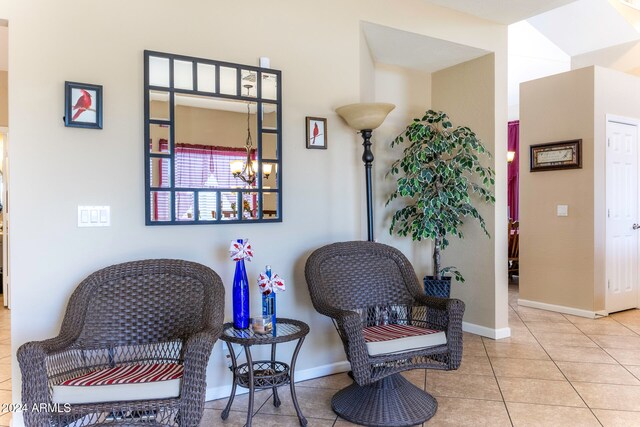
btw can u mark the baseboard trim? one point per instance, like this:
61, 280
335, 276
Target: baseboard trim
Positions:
223, 391
495, 334
560, 309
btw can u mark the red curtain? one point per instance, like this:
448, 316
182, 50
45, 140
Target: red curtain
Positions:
513, 171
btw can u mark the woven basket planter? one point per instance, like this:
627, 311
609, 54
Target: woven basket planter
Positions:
440, 288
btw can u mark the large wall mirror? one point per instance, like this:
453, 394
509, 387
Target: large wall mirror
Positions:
212, 141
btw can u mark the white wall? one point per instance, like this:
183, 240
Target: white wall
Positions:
54, 168
531, 56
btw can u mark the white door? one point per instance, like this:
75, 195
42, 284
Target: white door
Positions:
622, 216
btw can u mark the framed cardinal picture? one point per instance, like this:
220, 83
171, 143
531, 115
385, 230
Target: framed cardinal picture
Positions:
316, 132
82, 105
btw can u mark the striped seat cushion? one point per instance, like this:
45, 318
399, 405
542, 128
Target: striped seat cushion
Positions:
389, 339
132, 382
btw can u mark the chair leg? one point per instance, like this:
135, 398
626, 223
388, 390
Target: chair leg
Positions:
391, 401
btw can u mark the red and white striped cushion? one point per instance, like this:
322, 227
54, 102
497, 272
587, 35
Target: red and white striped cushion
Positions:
122, 383
129, 375
387, 339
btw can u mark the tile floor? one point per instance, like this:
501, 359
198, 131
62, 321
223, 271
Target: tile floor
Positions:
555, 370
5, 362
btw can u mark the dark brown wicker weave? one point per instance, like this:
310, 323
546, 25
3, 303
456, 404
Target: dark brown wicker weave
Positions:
359, 284
152, 311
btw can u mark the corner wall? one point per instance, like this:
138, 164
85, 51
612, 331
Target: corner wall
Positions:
322, 188
467, 93
557, 253
616, 93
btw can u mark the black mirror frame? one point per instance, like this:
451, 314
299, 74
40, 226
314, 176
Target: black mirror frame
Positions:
148, 155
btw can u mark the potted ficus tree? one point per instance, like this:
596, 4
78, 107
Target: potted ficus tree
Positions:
439, 177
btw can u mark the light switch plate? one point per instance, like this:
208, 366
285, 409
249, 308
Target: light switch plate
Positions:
562, 210
94, 216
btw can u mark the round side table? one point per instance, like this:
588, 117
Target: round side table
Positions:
264, 374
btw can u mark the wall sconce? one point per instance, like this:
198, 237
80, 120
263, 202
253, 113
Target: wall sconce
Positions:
510, 156
364, 117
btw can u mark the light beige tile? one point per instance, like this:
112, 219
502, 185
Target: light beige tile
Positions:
597, 373
416, 377
556, 338
628, 317
610, 418
473, 349
469, 337
518, 368
616, 341
266, 420
564, 328
516, 351
546, 392
527, 414
472, 365
241, 402
634, 369
519, 335
600, 328
6, 385
466, 386
625, 356
334, 382
579, 354
528, 314
455, 412
610, 396
314, 403
5, 420
211, 417
580, 319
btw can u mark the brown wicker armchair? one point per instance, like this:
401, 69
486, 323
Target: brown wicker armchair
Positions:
363, 284
133, 314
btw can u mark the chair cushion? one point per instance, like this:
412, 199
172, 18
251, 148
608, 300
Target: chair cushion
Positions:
132, 382
388, 339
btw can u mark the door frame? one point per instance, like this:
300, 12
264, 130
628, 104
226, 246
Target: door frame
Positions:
609, 118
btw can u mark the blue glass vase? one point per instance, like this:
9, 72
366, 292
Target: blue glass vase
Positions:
269, 302
240, 296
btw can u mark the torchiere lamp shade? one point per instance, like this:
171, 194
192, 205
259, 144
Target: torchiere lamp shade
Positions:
365, 115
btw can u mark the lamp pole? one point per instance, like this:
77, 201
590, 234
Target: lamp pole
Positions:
367, 158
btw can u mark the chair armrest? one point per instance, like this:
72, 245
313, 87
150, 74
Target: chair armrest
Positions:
32, 358
197, 350
446, 314
349, 326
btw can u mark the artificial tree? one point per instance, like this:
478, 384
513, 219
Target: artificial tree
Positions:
437, 177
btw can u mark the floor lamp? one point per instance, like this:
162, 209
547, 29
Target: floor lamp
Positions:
365, 117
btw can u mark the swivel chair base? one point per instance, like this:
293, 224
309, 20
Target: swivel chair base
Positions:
391, 401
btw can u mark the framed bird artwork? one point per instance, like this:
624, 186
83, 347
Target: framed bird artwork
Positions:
317, 132
82, 105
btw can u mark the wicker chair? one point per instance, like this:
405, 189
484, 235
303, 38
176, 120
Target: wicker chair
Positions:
143, 312
363, 284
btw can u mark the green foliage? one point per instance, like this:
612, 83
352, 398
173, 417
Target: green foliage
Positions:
437, 177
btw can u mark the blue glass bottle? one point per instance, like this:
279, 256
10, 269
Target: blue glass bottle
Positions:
269, 301
240, 296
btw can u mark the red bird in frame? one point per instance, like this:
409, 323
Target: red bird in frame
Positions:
83, 105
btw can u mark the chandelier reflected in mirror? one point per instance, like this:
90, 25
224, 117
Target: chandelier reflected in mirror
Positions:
247, 170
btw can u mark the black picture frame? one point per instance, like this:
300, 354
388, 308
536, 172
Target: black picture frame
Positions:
556, 156
74, 111
312, 140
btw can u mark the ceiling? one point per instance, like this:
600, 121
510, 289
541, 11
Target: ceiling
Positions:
585, 25
428, 54
502, 11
